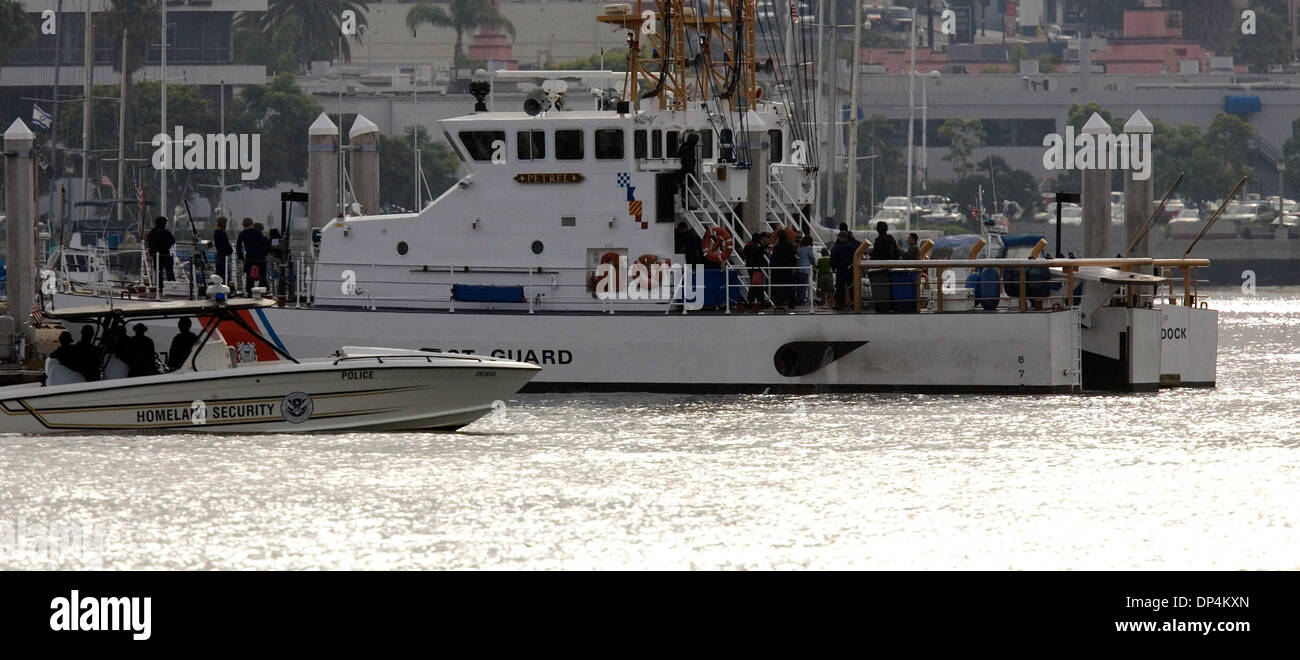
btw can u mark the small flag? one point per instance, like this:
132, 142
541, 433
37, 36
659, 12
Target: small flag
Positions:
794, 12
41, 118
105, 181
37, 311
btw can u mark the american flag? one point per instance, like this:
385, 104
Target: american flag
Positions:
794, 12
38, 316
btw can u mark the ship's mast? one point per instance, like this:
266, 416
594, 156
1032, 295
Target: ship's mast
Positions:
683, 40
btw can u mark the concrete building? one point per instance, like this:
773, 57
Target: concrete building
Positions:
1018, 111
201, 52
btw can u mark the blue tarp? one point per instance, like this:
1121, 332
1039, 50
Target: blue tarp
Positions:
1242, 104
487, 294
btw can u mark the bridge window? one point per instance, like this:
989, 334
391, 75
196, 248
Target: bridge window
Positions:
569, 145
706, 145
531, 145
479, 143
674, 139
609, 144
656, 144
774, 138
638, 144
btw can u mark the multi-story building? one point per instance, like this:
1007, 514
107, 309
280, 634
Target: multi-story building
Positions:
200, 52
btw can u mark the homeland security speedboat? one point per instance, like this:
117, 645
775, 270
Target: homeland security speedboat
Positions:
356, 389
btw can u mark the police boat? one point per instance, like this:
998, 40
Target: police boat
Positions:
355, 389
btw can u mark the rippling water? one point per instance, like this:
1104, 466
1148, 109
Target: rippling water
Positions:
1197, 479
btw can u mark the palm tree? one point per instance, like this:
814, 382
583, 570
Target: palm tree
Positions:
461, 16
316, 23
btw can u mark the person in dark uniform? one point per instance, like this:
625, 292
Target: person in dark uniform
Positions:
142, 358
67, 353
160, 242
755, 255
88, 353
913, 250
842, 264
785, 258
221, 240
251, 246
182, 344
884, 249
688, 244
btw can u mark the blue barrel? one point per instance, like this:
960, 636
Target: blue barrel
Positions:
906, 290
715, 289
987, 291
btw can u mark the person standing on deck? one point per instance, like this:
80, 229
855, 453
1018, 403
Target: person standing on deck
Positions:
806, 261
913, 250
251, 247
222, 242
842, 264
755, 255
785, 259
160, 242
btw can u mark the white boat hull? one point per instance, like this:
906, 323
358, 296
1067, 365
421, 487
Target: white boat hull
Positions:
962, 352
358, 394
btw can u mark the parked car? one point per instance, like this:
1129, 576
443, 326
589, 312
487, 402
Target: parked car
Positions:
896, 218
1250, 212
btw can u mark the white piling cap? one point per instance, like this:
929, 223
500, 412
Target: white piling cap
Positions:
19, 131
1138, 123
1096, 125
323, 126
362, 126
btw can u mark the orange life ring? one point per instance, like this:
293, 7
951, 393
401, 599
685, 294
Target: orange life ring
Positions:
610, 258
649, 260
718, 244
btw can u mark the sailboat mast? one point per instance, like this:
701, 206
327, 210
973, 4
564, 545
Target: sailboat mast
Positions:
88, 49
162, 173
851, 191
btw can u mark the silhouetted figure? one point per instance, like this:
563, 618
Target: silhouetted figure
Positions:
221, 240
88, 353
160, 242
142, 358
181, 346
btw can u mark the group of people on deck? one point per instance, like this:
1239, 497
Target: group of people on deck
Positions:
252, 246
119, 355
792, 266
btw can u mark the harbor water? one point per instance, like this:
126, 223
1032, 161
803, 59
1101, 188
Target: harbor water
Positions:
1180, 479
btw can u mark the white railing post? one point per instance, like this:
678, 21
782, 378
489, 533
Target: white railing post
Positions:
157, 276
451, 284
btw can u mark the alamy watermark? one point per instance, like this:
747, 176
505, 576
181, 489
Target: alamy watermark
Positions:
656, 281
1086, 151
25, 543
212, 151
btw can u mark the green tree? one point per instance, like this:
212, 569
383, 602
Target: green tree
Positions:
964, 136
461, 16
438, 163
15, 28
306, 30
1210, 23
1270, 43
280, 112
186, 106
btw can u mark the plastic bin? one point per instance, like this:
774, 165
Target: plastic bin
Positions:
906, 290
